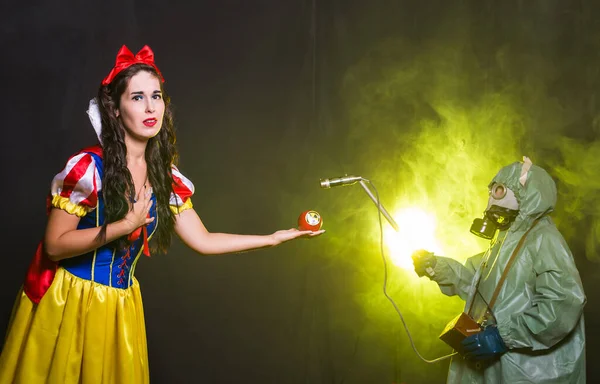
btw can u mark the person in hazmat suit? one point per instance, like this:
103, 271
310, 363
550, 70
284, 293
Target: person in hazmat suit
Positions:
524, 291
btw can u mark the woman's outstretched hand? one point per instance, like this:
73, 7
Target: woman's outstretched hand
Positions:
293, 233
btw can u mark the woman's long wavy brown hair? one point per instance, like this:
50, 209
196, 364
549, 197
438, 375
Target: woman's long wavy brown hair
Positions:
161, 154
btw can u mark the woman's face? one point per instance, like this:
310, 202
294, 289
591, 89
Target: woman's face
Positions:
142, 106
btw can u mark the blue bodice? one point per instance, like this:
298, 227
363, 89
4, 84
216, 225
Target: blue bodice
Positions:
107, 265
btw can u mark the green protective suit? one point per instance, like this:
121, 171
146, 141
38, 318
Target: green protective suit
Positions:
539, 309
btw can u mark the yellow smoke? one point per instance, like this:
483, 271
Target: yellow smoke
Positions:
429, 133
430, 124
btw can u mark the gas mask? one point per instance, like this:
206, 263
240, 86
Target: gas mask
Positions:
501, 211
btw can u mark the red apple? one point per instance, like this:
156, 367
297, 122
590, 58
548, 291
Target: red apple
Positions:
310, 221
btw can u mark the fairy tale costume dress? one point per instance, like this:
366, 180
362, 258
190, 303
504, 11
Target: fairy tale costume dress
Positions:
81, 320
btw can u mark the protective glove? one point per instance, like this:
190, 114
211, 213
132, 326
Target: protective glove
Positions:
424, 262
484, 345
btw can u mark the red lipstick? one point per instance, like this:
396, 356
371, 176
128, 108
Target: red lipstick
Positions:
150, 122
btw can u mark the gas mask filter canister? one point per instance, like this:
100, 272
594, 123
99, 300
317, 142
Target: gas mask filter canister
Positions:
501, 211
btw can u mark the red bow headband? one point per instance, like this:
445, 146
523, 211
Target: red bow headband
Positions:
125, 59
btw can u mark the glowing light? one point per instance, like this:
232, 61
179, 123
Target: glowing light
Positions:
417, 231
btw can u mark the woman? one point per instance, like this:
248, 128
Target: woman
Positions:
79, 317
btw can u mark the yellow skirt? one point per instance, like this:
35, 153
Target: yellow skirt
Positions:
80, 332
